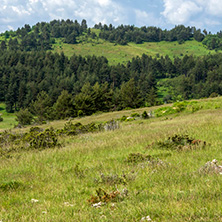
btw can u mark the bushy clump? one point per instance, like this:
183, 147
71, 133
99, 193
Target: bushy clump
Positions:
135, 115
123, 118
7, 138
105, 197
138, 157
24, 117
10, 185
43, 140
78, 128
145, 115
179, 142
1, 119
112, 179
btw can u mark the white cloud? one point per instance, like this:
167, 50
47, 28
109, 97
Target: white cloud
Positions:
180, 11
199, 13
16, 13
144, 18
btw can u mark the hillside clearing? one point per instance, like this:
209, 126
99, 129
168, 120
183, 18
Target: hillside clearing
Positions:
122, 54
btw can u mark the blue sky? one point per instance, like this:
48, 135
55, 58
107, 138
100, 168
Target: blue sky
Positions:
204, 14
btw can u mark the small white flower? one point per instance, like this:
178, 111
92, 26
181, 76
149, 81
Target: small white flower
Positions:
68, 204
214, 161
147, 218
34, 200
97, 205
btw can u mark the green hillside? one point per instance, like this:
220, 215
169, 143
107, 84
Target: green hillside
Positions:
122, 54
148, 167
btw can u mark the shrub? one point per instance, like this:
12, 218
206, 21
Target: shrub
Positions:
135, 115
1, 119
179, 142
45, 139
24, 117
103, 196
145, 115
137, 157
214, 94
123, 118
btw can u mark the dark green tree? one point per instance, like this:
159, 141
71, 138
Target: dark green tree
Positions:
64, 106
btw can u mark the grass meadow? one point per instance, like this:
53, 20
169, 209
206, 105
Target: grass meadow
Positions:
55, 184
8, 118
122, 54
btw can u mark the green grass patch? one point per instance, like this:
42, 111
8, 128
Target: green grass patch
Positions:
8, 118
122, 54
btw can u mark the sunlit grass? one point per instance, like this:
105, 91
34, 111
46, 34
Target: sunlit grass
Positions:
122, 54
174, 192
8, 118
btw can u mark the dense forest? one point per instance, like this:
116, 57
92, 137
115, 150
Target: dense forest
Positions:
53, 86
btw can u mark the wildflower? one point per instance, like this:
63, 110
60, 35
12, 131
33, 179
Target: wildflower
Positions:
147, 218
68, 204
97, 205
34, 200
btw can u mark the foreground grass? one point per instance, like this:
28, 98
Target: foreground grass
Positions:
62, 180
122, 54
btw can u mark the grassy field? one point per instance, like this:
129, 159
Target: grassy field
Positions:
8, 118
122, 54
55, 184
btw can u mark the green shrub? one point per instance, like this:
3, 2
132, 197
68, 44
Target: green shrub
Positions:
138, 157
135, 115
179, 143
123, 118
10, 185
45, 139
24, 117
1, 119
145, 115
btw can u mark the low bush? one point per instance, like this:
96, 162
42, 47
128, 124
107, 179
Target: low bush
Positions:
135, 115
105, 197
179, 143
138, 157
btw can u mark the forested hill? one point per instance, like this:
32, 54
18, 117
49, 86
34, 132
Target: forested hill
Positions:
43, 35
53, 86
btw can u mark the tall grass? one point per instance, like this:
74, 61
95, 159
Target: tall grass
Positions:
62, 180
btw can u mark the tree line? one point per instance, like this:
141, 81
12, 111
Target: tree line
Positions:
93, 84
43, 35
89, 84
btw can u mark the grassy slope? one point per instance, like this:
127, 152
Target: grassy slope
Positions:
176, 192
121, 54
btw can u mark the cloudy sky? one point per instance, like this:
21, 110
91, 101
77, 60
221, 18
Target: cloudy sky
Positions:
162, 13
